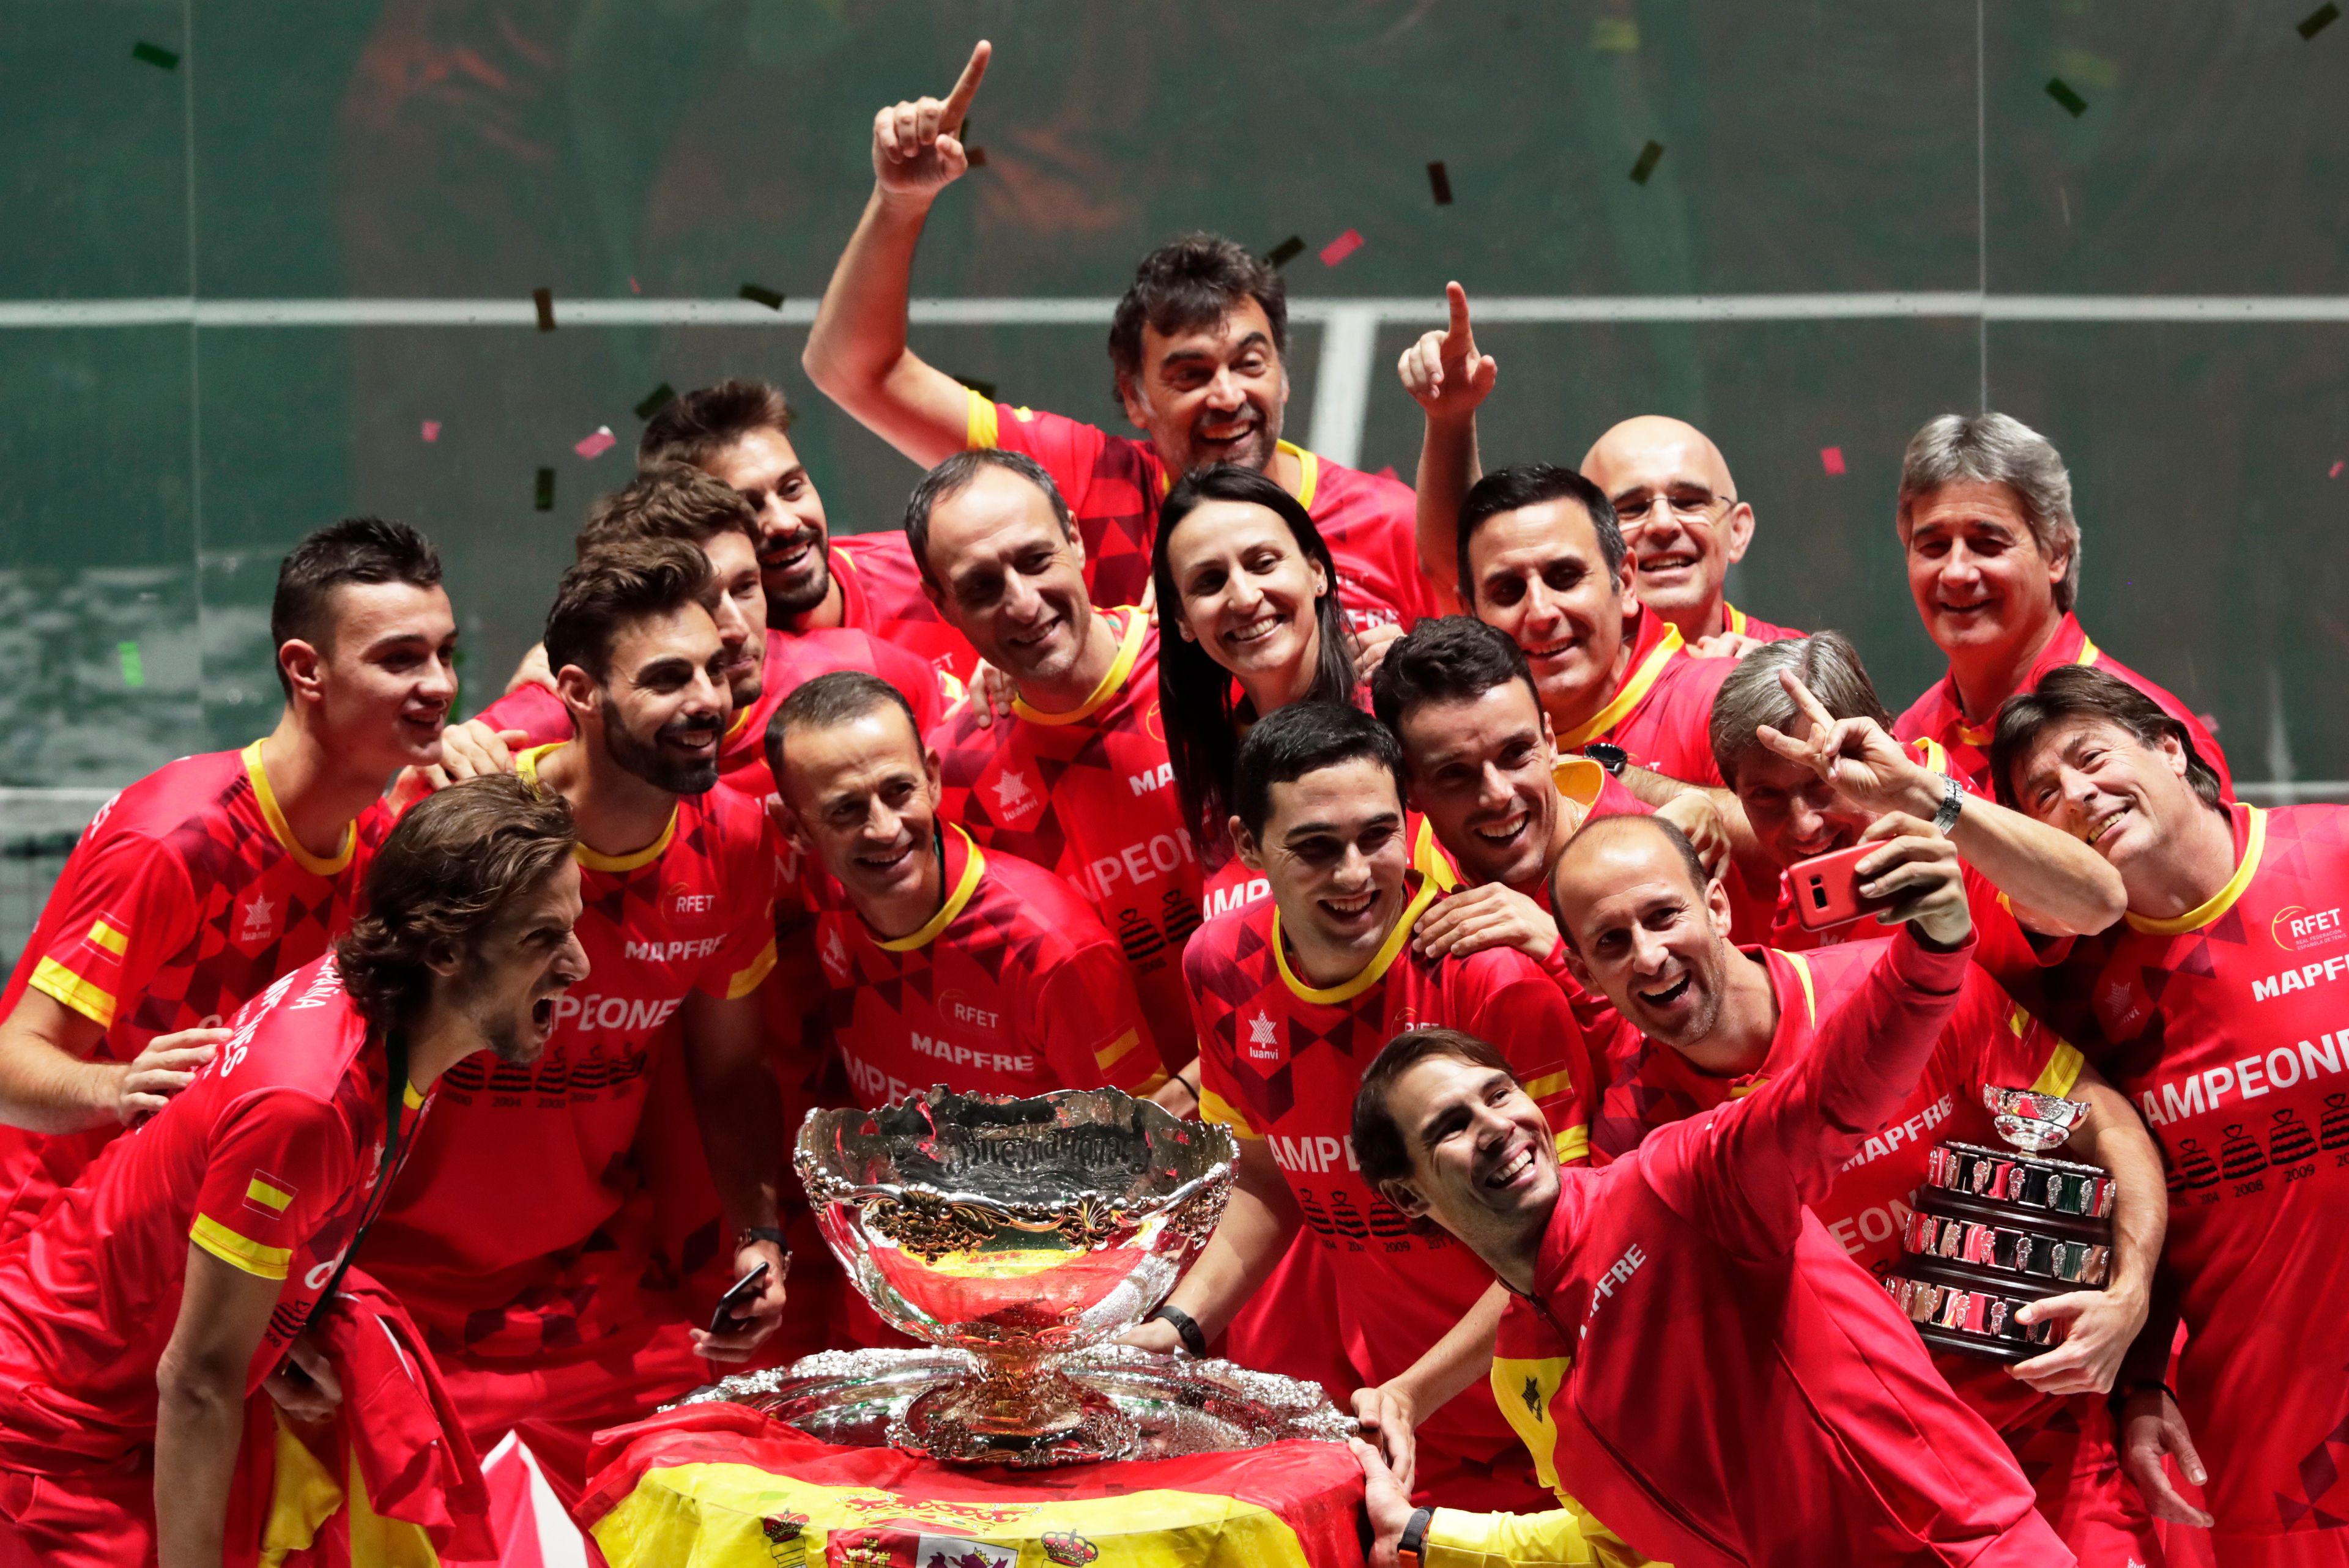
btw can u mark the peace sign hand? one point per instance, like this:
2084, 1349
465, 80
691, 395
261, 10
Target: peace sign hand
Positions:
1443, 371
1867, 767
917, 147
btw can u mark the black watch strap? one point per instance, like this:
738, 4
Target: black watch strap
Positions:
1186, 1328
1412, 1548
768, 1233
1607, 755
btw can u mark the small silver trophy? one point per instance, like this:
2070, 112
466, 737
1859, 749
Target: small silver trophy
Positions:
1018, 1236
1997, 1229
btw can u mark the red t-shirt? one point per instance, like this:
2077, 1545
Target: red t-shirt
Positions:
268, 1162
792, 660
2230, 1027
1741, 625
881, 593
1280, 1060
186, 895
1090, 794
1013, 987
1663, 712
523, 1223
1114, 484
1703, 1367
1937, 714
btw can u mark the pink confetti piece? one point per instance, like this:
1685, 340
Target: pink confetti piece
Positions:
596, 445
1338, 249
636, 288
1831, 458
431, 430
2337, 470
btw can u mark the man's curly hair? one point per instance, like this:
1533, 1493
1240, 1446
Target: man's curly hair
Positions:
455, 860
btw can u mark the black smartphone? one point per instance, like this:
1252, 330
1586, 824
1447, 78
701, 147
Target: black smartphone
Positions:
727, 1319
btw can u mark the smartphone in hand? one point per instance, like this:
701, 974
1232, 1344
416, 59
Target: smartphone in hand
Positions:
1826, 888
733, 1308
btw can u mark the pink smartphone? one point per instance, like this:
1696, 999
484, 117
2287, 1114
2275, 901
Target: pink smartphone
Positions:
1826, 888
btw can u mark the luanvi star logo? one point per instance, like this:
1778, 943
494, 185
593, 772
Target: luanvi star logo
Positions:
1011, 793
260, 919
1264, 1039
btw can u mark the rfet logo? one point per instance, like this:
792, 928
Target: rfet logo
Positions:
959, 1008
2295, 927
685, 903
1153, 724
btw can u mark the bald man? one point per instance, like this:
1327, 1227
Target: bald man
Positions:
1683, 524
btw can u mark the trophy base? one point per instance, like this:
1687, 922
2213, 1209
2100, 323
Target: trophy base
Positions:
1028, 1418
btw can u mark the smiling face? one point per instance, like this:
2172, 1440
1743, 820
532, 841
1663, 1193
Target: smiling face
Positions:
1644, 933
1979, 578
1483, 1164
1246, 590
664, 706
2096, 781
741, 615
527, 959
1480, 770
1334, 852
1211, 395
1539, 576
1794, 812
862, 796
793, 539
387, 676
1009, 578
1681, 520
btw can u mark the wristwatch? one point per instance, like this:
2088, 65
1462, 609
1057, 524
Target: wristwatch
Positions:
1607, 755
1953, 800
1186, 1328
1411, 1548
768, 1233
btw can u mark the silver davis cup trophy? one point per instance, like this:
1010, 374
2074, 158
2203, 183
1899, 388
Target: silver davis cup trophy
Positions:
1019, 1237
1997, 1229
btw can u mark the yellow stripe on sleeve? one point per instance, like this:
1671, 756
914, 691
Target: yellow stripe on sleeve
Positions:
53, 980
268, 1263
1548, 1084
104, 935
1110, 1055
979, 432
744, 984
2062, 1071
1215, 1108
1573, 1144
267, 1196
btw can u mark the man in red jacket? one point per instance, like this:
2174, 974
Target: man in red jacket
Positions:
1693, 1356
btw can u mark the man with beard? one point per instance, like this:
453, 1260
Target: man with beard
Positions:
2216, 1005
1076, 776
739, 432
1197, 348
763, 665
171, 1283
551, 1314
198, 885
1293, 995
1697, 1366
1993, 553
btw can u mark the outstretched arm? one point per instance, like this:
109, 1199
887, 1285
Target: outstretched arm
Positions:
1448, 378
856, 352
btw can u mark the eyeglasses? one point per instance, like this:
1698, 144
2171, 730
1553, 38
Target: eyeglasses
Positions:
1687, 510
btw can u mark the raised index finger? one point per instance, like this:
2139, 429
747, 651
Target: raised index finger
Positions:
1457, 298
1811, 706
965, 88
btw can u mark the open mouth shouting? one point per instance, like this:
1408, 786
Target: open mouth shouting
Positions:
1668, 998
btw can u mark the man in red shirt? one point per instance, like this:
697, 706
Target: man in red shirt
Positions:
763, 665
1075, 778
948, 963
1801, 735
1293, 997
198, 885
171, 1280
1198, 349
553, 1314
2216, 1005
1718, 1022
1690, 1353
738, 431
1993, 554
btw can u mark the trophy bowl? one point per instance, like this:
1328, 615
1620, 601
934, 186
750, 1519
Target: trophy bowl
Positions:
1021, 1231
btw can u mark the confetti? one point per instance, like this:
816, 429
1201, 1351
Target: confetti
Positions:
134, 671
545, 490
2316, 21
545, 300
154, 54
2337, 470
596, 445
1831, 458
1338, 249
2073, 104
658, 398
757, 295
1288, 251
984, 389
1440, 183
635, 287
1649, 156
1614, 36
431, 430
978, 157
